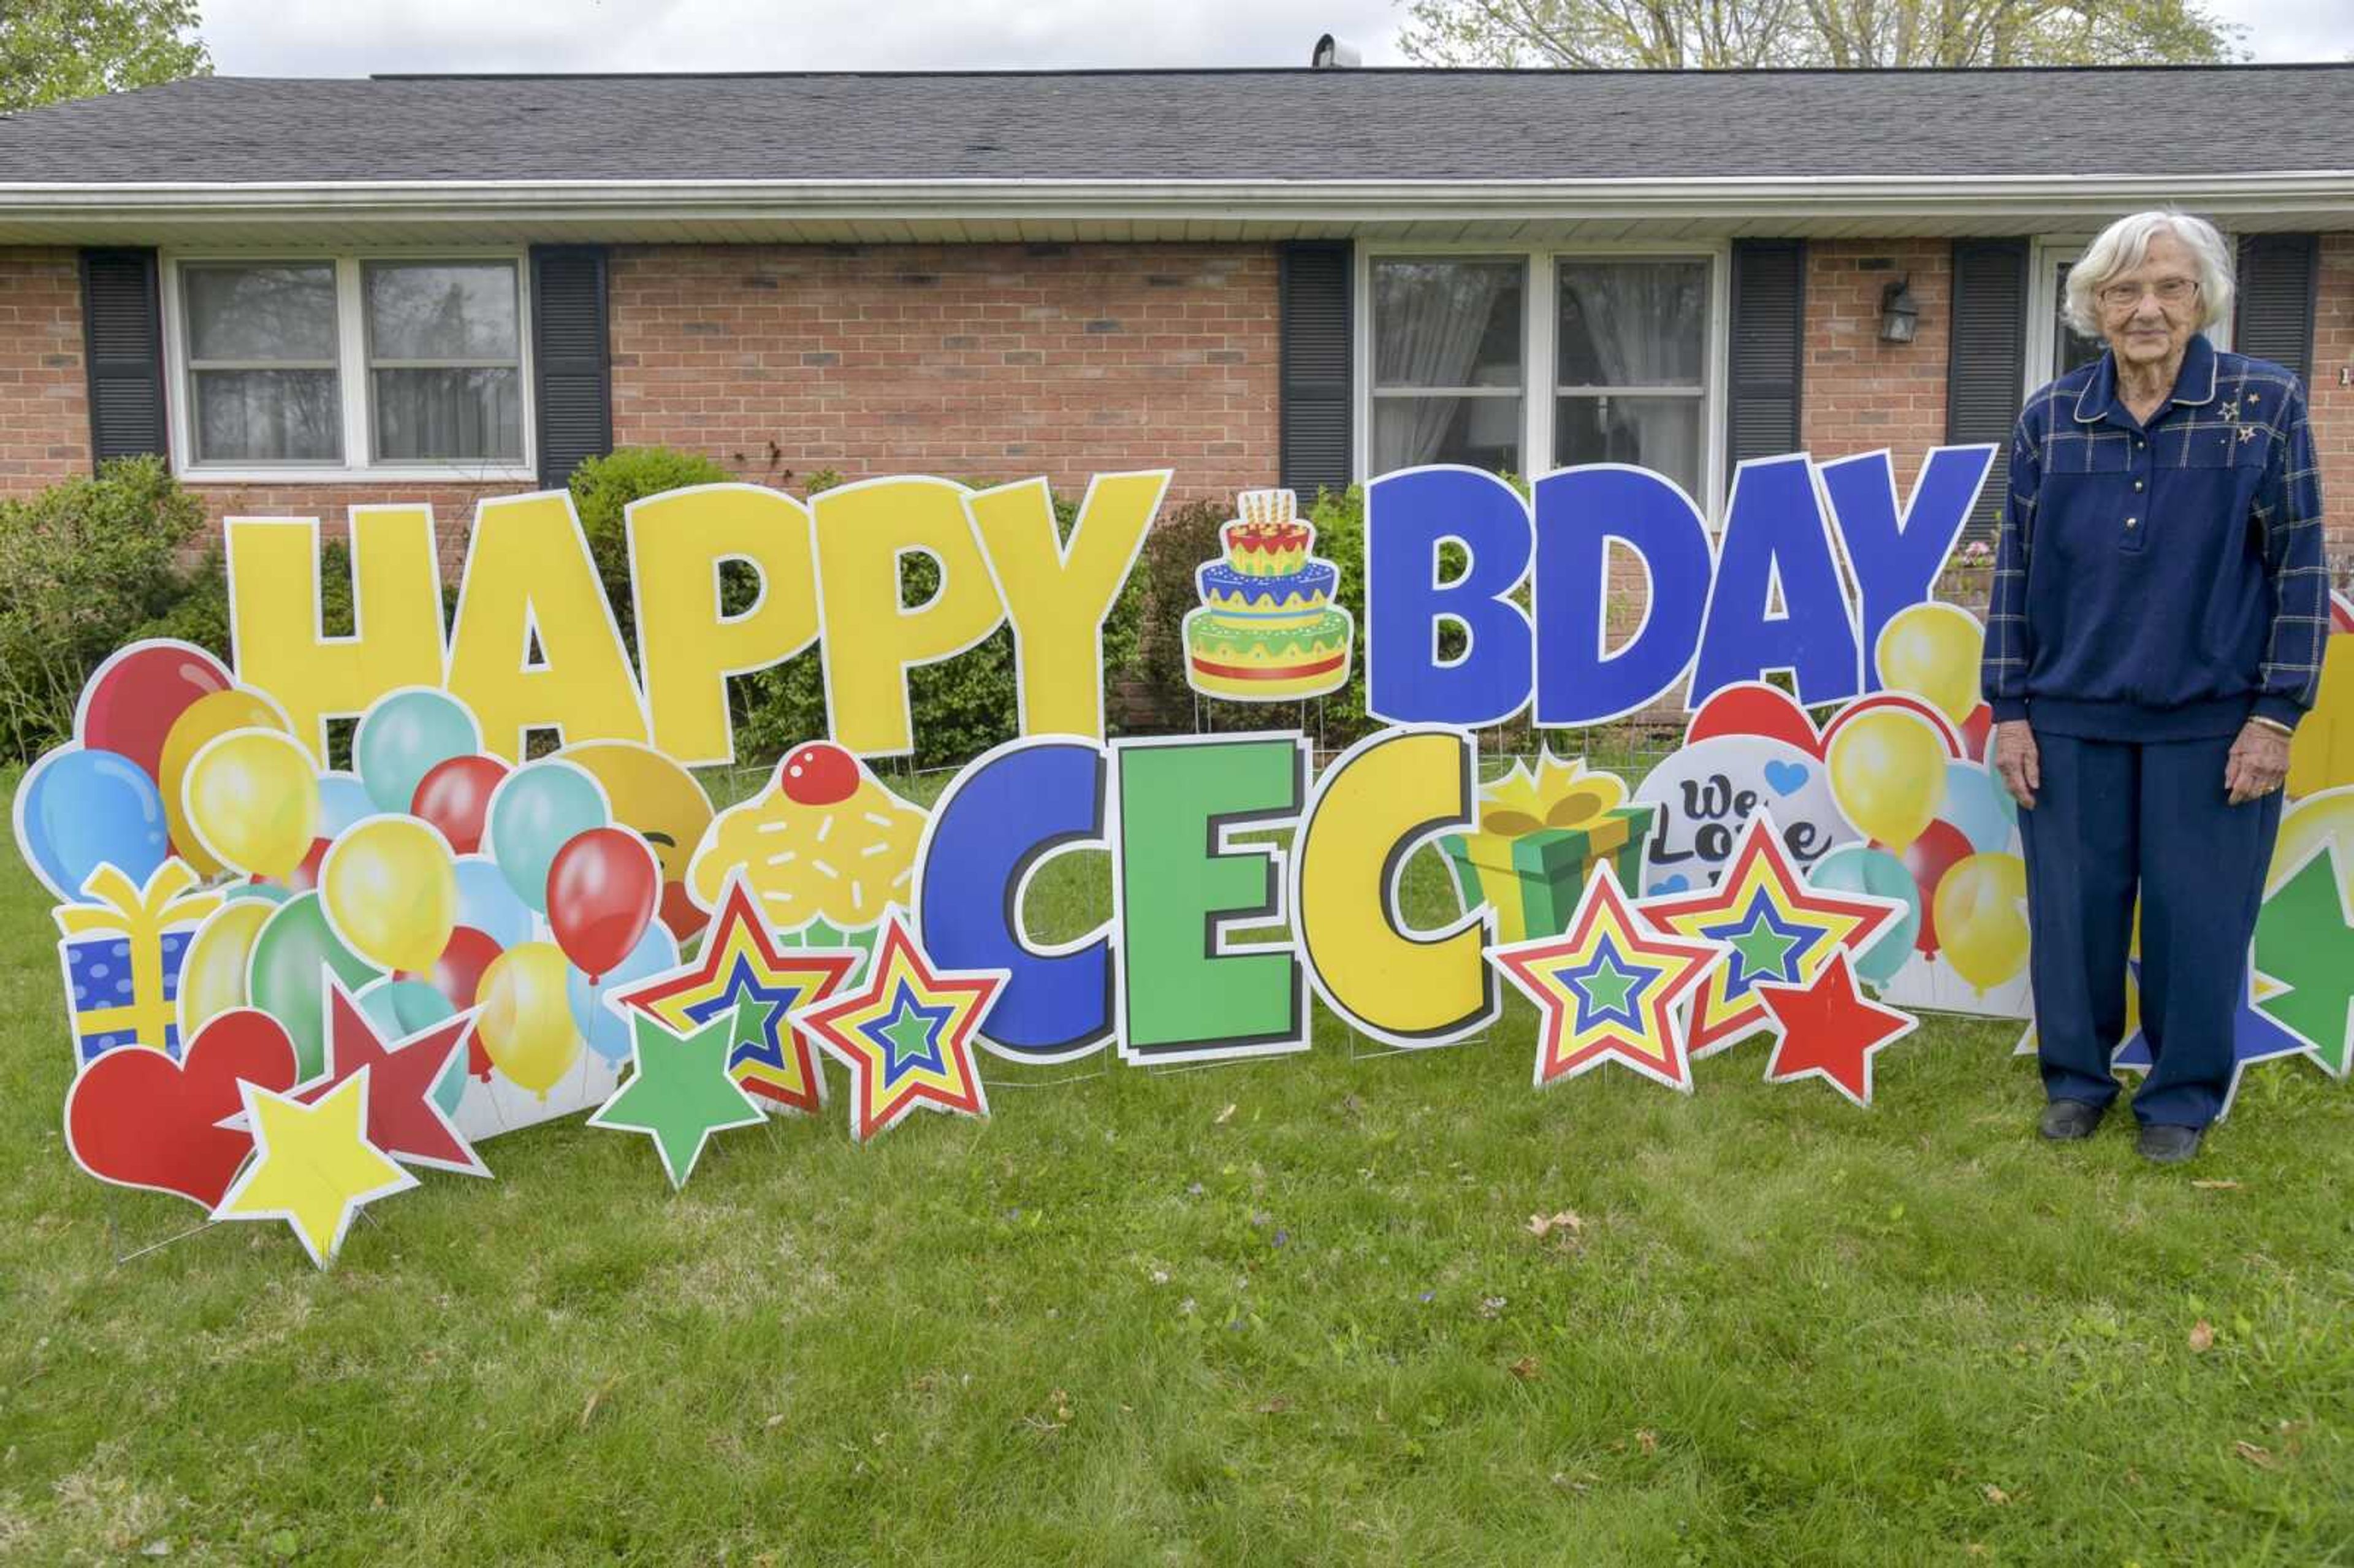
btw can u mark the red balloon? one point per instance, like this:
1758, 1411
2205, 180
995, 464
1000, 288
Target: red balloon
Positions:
135, 698
1975, 730
1928, 858
680, 913
455, 797
457, 974
602, 887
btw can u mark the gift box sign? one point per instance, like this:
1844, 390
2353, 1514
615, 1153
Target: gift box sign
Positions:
123, 954
1534, 879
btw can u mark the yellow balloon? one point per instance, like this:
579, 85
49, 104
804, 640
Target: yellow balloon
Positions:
1888, 774
1981, 919
526, 1021
252, 800
214, 714
390, 891
1931, 651
212, 971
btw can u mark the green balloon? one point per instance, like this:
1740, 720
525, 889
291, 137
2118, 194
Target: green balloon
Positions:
1861, 868
285, 976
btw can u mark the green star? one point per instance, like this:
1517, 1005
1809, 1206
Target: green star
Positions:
1762, 949
680, 1093
910, 1036
1605, 989
2303, 941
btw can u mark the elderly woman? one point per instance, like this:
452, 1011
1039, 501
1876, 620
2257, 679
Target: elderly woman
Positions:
2156, 631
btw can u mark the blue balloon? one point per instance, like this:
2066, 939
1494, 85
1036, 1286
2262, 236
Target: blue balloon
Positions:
607, 1034
343, 801
78, 809
487, 904
1981, 809
536, 810
1861, 868
404, 736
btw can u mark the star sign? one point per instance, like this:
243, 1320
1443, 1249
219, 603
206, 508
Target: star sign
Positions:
313, 1166
403, 1119
2256, 1035
682, 1091
1607, 988
906, 1034
2305, 946
1781, 931
741, 960
1826, 1029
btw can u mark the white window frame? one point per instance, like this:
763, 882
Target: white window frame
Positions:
1539, 388
2044, 256
354, 387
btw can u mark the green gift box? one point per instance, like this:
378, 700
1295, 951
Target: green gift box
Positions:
1534, 879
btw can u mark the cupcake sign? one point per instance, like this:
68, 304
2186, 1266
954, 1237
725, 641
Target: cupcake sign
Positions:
1268, 630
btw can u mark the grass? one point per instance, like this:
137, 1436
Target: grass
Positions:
1289, 1312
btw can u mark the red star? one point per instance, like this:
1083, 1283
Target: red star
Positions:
402, 1120
906, 1036
1830, 1030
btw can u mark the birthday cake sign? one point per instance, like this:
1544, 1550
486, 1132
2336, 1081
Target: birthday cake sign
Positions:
1268, 630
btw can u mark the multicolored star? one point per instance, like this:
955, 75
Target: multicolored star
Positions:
2256, 1035
906, 1034
1608, 987
1826, 1029
1780, 931
741, 962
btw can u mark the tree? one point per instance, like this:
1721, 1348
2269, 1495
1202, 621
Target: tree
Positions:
55, 49
1718, 35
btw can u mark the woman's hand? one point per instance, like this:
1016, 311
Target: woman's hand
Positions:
2258, 764
2016, 760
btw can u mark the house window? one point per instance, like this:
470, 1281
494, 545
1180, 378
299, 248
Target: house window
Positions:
1448, 384
1632, 350
445, 361
2069, 351
261, 362
344, 365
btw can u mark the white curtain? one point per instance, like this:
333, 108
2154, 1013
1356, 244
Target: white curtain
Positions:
1431, 317
1645, 319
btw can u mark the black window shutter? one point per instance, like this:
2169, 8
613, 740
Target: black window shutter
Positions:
571, 364
2278, 274
1986, 361
122, 346
1768, 349
1318, 339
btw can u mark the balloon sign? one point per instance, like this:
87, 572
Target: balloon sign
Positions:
455, 797
283, 978
391, 891
600, 1026
487, 904
526, 1022
536, 810
252, 801
1861, 868
78, 809
1981, 917
1931, 651
601, 890
403, 736
212, 973
207, 718
1888, 774
132, 701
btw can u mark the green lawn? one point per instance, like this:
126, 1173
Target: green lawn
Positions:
1290, 1312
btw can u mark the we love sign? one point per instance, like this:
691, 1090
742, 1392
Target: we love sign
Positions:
290, 985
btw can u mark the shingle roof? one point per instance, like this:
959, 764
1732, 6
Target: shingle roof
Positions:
1198, 125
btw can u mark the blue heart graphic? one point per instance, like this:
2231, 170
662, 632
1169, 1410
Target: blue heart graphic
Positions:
1675, 884
1786, 777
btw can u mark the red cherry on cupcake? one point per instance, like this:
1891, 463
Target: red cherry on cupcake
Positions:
818, 774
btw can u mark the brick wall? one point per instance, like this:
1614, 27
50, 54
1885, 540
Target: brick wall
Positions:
44, 395
978, 362
1861, 394
2332, 404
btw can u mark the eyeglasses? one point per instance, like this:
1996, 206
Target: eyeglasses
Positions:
2169, 292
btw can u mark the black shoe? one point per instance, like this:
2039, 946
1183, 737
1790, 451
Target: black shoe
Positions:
2066, 1120
2168, 1145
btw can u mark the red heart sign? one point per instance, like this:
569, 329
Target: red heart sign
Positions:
137, 1118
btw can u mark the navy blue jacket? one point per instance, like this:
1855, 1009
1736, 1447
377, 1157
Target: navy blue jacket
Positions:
2160, 581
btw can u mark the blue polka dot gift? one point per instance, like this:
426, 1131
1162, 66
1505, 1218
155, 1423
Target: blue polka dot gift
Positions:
123, 955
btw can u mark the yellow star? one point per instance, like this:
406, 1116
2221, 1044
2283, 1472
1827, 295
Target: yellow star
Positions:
313, 1166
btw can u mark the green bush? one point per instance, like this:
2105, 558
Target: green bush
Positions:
85, 566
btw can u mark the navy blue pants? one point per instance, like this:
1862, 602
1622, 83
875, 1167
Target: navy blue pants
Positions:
2113, 818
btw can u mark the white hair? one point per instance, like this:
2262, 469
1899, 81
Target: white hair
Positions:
2124, 245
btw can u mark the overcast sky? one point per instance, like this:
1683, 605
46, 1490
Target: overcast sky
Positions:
355, 38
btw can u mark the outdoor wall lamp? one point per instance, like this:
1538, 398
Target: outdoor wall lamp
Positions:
1898, 315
